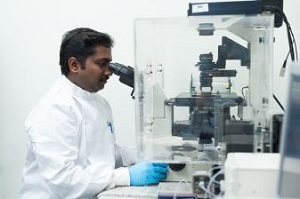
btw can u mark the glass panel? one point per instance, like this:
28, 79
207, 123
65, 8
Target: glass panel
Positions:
203, 86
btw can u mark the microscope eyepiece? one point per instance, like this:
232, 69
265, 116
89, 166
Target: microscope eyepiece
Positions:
126, 73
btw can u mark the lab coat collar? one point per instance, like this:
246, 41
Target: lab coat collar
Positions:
76, 90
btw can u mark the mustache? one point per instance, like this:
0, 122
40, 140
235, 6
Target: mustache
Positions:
105, 78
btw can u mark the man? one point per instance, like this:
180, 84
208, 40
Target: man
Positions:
71, 149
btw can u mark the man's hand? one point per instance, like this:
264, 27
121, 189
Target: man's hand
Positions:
145, 173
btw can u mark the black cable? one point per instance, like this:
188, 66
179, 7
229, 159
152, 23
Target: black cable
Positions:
278, 102
233, 117
283, 68
295, 44
292, 52
291, 41
291, 38
243, 92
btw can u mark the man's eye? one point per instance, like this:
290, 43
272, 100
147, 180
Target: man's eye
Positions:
102, 65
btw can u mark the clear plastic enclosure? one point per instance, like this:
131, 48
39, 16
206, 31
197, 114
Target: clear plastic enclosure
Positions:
203, 87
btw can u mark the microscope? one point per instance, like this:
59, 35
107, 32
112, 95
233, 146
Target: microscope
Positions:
203, 89
210, 107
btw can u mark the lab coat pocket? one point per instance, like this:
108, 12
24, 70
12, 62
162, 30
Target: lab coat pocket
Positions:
100, 143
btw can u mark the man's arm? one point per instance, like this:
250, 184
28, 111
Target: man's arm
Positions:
55, 139
125, 156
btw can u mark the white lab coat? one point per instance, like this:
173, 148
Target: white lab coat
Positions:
71, 151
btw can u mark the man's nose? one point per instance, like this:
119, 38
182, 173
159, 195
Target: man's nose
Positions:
108, 72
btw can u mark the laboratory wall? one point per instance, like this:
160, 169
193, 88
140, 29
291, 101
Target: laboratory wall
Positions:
30, 36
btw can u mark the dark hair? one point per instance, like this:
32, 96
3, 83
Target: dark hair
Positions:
80, 43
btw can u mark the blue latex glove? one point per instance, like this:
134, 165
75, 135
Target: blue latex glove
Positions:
145, 173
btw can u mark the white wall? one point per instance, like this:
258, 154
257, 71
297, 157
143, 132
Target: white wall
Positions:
30, 35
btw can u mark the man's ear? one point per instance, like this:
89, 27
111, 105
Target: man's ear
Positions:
73, 64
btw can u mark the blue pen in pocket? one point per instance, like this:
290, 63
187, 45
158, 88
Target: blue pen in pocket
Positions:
110, 126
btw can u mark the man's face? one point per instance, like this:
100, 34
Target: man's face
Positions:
95, 73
